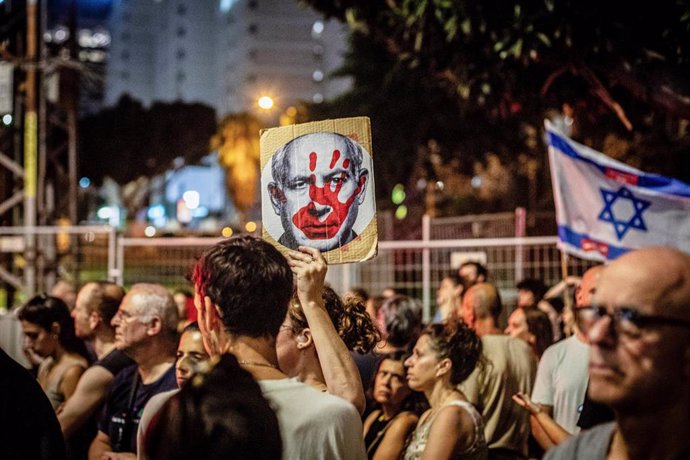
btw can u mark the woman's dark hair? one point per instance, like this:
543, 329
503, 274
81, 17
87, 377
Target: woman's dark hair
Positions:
402, 318
459, 343
44, 310
218, 415
350, 319
539, 325
415, 402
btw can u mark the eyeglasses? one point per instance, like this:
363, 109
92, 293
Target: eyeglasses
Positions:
626, 321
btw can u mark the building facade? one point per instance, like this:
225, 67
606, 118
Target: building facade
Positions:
224, 53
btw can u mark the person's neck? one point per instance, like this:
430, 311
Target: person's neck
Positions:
439, 394
257, 355
309, 370
103, 343
390, 410
486, 326
643, 436
154, 359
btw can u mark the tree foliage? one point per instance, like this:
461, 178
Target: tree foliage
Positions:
479, 77
237, 142
128, 140
497, 55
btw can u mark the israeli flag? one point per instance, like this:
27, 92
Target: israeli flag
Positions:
605, 208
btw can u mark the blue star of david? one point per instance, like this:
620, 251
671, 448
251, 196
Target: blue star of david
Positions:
621, 226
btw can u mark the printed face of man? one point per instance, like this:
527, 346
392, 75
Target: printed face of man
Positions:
319, 200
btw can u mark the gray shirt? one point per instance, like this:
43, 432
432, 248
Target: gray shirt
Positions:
588, 445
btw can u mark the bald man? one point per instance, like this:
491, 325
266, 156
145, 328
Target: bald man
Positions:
561, 381
639, 331
510, 369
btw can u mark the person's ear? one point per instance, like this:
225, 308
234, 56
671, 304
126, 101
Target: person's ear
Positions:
444, 367
210, 323
362, 179
304, 339
277, 197
155, 326
94, 320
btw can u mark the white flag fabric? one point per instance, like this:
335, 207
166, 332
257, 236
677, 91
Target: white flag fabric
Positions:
605, 208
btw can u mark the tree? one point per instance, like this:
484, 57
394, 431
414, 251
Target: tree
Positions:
237, 142
617, 69
494, 54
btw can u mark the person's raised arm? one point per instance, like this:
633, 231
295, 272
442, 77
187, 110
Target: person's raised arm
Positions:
87, 397
542, 423
338, 366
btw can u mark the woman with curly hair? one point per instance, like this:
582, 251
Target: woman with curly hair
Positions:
443, 357
311, 330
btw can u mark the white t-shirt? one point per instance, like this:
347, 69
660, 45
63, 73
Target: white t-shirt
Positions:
562, 381
314, 424
152, 407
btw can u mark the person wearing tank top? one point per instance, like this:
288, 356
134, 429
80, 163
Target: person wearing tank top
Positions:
443, 357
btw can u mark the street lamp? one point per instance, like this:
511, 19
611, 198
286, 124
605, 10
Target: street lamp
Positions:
265, 102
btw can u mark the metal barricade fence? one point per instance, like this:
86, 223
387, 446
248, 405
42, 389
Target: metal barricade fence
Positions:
32, 259
414, 268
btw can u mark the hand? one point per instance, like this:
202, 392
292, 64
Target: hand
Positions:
526, 403
309, 268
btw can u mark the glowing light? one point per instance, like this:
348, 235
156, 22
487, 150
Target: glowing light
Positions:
156, 211
226, 232
398, 194
317, 98
84, 182
7, 119
265, 102
317, 75
106, 212
191, 199
250, 226
317, 28
150, 231
401, 212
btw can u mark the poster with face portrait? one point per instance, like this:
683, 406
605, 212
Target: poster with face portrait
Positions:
317, 188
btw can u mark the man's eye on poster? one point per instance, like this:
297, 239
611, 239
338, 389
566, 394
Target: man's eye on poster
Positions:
317, 184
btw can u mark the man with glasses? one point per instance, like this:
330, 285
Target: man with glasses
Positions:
561, 381
146, 330
639, 330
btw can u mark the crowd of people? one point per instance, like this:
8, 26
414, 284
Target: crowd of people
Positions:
263, 360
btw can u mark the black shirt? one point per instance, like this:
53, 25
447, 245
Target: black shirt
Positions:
30, 429
115, 361
125, 404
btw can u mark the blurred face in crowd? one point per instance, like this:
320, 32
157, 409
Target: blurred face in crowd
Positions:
38, 340
288, 348
640, 338
129, 324
190, 355
448, 291
84, 324
517, 326
422, 366
390, 385
525, 298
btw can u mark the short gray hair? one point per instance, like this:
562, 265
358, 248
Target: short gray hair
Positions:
280, 162
151, 300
